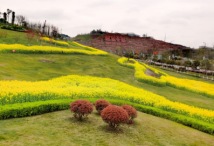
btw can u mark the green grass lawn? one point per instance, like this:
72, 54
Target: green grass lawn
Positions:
15, 37
35, 67
60, 128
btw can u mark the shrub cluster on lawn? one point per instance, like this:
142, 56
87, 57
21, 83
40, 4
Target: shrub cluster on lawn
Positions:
81, 108
132, 112
101, 104
114, 115
111, 114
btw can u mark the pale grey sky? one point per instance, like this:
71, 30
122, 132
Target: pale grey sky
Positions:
186, 22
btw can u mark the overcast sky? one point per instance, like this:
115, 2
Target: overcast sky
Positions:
186, 22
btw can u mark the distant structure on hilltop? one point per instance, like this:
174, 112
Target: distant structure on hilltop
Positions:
122, 44
65, 37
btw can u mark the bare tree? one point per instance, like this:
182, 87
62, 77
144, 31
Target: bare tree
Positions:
48, 32
43, 27
20, 19
30, 35
8, 13
55, 31
39, 27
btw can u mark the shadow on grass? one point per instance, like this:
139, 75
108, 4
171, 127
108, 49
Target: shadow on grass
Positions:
2, 138
106, 128
85, 120
134, 124
97, 114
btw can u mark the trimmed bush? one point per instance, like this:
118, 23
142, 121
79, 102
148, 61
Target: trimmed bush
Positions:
40, 107
101, 104
114, 115
132, 112
81, 108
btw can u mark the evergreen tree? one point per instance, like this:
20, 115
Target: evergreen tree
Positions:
13, 17
5, 17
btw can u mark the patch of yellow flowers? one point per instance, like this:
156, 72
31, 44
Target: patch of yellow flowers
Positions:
140, 70
18, 48
50, 40
165, 79
75, 86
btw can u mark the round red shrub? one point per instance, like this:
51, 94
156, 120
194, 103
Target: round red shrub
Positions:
101, 104
114, 115
132, 112
81, 108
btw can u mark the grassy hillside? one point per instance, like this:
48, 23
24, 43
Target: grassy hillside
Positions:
14, 37
60, 128
35, 67
38, 66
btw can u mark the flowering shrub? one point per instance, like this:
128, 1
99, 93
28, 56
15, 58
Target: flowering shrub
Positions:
132, 112
114, 115
101, 104
81, 108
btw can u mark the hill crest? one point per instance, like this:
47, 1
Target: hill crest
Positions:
121, 44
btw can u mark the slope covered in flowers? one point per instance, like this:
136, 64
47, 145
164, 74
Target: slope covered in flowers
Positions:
18, 48
49, 40
24, 98
165, 79
74, 86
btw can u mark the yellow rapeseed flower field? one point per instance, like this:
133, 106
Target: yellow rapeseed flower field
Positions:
74, 86
165, 79
50, 40
18, 48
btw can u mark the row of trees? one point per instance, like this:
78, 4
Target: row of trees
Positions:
6, 16
203, 64
39, 28
44, 29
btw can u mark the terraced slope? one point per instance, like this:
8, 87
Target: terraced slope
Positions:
21, 62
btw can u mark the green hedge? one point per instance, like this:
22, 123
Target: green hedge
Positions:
14, 28
40, 107
32, 108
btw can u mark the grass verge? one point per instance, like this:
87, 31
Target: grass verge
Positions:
36, 108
